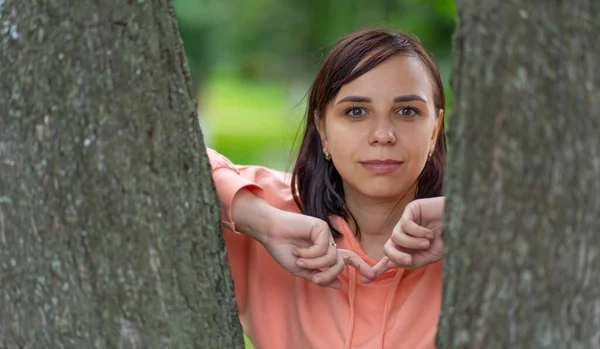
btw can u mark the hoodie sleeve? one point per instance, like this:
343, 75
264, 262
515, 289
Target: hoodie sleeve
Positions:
229, 181
270, 185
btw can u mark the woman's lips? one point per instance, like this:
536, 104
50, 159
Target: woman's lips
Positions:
381, 166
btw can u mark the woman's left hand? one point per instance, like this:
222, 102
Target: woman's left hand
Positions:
416, 239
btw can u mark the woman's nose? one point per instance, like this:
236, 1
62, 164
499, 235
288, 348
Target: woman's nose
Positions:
383, 132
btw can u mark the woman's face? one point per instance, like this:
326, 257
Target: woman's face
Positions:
380, 127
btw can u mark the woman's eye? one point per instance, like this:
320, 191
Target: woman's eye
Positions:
408, 112
355, 112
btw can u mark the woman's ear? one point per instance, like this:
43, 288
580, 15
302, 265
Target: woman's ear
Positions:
438, 125
320, 124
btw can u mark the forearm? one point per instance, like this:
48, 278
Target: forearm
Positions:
252, 215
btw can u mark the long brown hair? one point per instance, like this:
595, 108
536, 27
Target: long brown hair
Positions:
316, 185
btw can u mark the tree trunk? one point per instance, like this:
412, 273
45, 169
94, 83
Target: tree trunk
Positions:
109, 223
522, 223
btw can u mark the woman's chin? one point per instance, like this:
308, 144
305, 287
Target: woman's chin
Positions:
384, 193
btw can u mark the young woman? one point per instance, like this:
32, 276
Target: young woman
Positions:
341, 253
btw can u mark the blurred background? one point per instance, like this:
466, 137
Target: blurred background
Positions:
252, 62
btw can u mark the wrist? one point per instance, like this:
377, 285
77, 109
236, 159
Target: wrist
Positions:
252, 215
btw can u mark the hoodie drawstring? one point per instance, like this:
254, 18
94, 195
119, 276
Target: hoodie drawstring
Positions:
386, 309
388, 305
351, 294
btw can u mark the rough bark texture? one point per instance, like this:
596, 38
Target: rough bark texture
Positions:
522, 224
109, 222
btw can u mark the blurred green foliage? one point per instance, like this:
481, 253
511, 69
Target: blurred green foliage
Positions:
283, 39
252, 62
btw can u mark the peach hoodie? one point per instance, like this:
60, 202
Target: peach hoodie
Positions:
399, 310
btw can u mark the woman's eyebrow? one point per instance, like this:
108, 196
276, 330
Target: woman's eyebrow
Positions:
355, 99
361, 99
409, 98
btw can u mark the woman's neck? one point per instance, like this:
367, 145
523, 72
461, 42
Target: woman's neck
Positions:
376, 218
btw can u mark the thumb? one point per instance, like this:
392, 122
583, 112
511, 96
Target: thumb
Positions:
352, 259
319, 237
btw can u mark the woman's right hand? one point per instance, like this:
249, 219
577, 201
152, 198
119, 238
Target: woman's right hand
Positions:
304, 246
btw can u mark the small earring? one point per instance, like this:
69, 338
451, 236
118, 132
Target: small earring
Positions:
327, 156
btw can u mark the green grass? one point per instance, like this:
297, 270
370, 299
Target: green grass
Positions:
247, 342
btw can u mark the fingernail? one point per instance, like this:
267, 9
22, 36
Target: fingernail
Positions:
424, 244
295, 253
301, 263
406, 260
318, 279
429, 236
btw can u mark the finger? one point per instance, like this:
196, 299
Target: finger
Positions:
381, 267
320, 236
401, 239
311, 274
413, 229
307, 274
352, 259
412, 212
396, 256
329, 259
425, 210
329, 276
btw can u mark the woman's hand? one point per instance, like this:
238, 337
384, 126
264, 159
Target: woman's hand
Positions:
416, 239
304, 246
301, 244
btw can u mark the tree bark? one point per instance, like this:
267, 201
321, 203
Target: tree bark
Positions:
522, 222
110, 234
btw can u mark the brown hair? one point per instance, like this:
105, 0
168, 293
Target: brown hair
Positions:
316, 185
